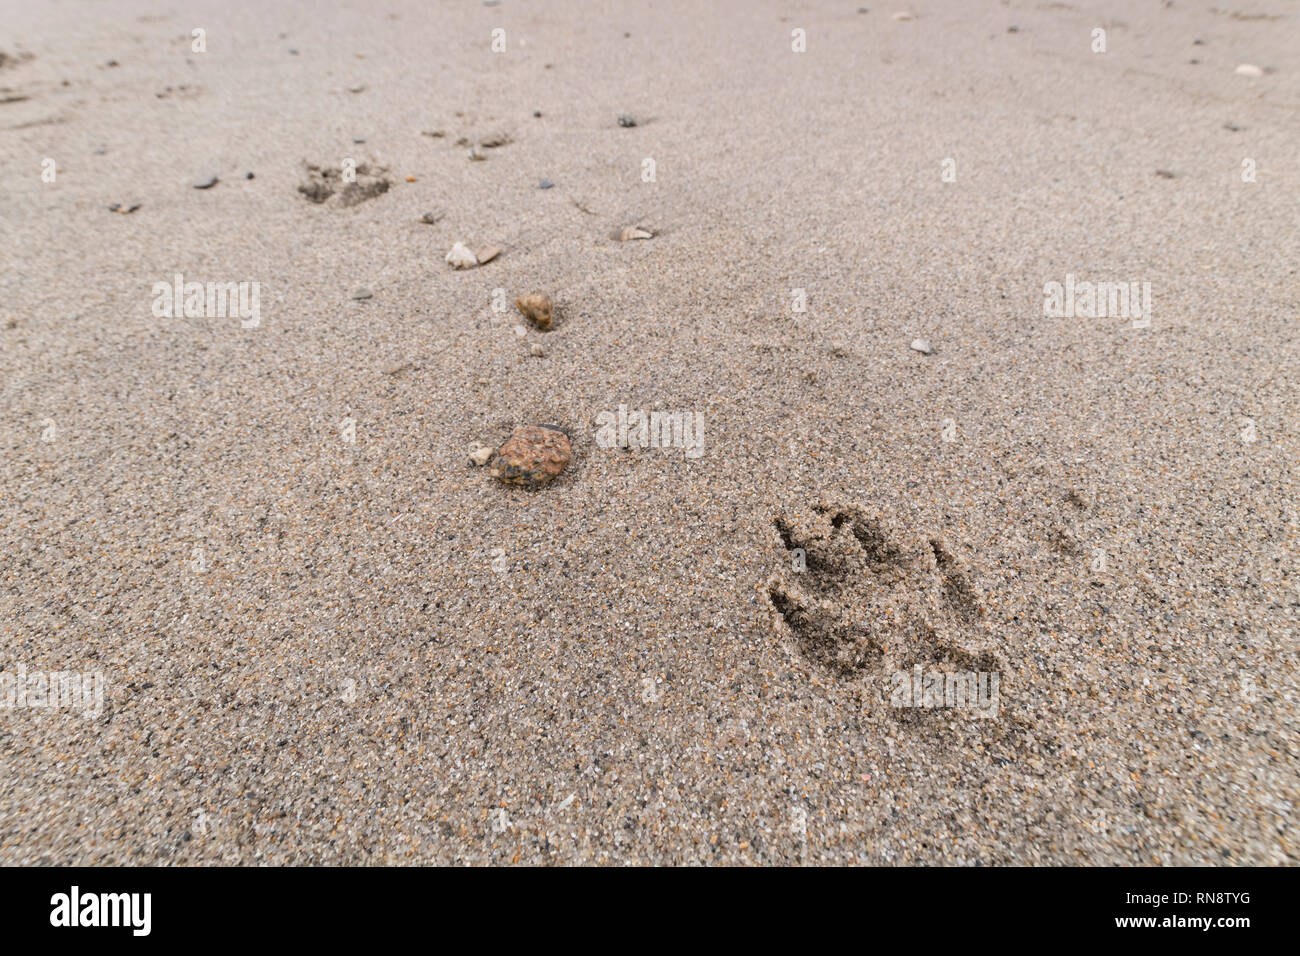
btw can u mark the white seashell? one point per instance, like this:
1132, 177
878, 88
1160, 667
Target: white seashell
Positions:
1249, 69
460, 257
922, 346
902, 15
632, 232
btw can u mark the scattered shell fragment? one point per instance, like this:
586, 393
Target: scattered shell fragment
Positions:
534, 456
902, 15
358, 88
480, 454
362, 293
206, 181
626, 120
477, 155
537, 309
495, 140
922, 346
461, 258
633, 232
536, 351
429, 218
1249, 69
487, 254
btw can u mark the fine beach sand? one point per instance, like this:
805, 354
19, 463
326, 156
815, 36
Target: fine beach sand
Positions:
316, 651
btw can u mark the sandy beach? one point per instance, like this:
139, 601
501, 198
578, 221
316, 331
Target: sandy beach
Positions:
887, 315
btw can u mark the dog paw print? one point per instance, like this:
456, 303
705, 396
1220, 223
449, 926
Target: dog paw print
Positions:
860, 597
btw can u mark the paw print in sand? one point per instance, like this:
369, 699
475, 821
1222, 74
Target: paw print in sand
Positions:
862, 598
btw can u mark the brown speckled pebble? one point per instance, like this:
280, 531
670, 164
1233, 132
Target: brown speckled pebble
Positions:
534, 456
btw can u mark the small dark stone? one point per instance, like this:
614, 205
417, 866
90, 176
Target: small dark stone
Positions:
545, 184
626, 121
206, 181
537, 113
248, 175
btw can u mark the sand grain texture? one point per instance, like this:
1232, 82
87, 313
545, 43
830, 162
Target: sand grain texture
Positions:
323, 651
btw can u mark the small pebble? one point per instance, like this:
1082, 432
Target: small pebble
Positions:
626, 121
477, 155
206, 182
902, 15
1164, 173
536, 309
537, 113
1249, 69
545, 184
487, 254
460, 257
359, 88
100, 150
429, 218
536, 350
248, 175
480, 454
922, 346
534, 456
362, 293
